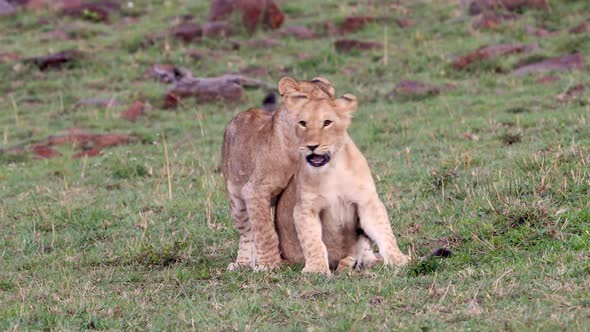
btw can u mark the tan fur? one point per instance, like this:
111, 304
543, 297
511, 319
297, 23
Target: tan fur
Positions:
331, 208
259, 156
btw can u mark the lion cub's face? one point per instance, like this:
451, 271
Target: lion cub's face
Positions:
321, 125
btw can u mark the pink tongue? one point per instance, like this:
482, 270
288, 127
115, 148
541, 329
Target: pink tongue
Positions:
317, 159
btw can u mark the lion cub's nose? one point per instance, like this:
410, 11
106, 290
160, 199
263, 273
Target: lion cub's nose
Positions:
312, 147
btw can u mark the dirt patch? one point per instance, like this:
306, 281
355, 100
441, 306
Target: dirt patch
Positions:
490, 52
574, 61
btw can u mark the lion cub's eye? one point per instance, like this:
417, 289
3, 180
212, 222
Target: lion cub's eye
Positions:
302, 124
327, 123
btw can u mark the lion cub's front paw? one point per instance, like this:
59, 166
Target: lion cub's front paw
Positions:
317, 268
235, 266
265, 267
346, 264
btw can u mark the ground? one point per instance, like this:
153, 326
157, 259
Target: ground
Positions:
494, 167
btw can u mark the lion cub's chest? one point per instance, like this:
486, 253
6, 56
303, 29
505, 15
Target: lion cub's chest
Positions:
335, 197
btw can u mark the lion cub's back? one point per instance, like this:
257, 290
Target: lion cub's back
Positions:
240, 140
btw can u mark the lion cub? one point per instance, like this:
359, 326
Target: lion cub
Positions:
331, 204
259, 157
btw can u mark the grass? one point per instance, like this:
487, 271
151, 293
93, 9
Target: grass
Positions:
495, 169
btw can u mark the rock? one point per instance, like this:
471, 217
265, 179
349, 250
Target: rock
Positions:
349, 45
479, 6
228, 88
190, 31
167, 73
296, 31
101, 102
356, 23
98, 11
491, 20
6, 8
8, 57
582, 27
539, 32
56, 60
574, 61
270, 102
44, 151
261, 43
187, 31
492, 51
411, 88
572, 93
254, 12
135, 111
547, 79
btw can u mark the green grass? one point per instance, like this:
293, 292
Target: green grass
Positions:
98, 244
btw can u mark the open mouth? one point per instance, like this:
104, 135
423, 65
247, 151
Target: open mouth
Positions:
317, 160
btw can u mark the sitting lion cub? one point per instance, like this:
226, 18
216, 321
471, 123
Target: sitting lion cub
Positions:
331, 204
259, 157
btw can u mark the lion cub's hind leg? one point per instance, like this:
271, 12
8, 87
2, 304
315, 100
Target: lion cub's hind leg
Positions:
247, 249
362, 257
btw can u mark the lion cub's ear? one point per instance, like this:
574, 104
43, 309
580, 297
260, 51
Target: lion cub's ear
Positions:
288, 85
326, 83
347, 104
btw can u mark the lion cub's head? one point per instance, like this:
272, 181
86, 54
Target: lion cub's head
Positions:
321, 121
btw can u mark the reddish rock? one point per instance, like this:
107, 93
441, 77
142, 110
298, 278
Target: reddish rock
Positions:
349, 45
296, 31
187, 31
539, 32
547, 79
8, 57
261, 43
228, 88
95, 11
167, 73
492, 51
574, 61
572, 93
411, 88
479, 6
45, 151
582, 27
56, 60
254, 12
135, 111
356, 23
6, 8
87, 153
491, 20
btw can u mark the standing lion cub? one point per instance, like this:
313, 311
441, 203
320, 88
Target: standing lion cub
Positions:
331, 205
259, 157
